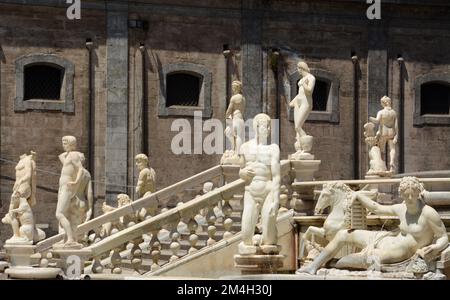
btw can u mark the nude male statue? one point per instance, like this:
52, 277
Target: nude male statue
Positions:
146, 185
260, 168
387, 129
20, 216
71, 175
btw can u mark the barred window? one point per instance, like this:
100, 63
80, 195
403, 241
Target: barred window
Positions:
320, 95
43, 81
183, 89
435, 98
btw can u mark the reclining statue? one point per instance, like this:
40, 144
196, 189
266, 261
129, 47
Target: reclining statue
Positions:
421, 233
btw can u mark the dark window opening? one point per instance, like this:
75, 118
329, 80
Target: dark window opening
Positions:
182, 89
42, 82
320, 95
434, 98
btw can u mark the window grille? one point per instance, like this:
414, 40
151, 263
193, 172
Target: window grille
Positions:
182, 89
42, 82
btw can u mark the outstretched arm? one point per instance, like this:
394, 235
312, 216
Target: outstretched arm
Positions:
372, 206
377, 119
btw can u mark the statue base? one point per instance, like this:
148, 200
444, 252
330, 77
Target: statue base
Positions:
259, 259
73, 258
23, 272
338, 274
259, 263
230, 158
19, 255
303, 197
67, 246
301, 155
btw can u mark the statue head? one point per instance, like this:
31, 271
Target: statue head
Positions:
261, 126
207, 187
236, 86
386, 101
411, 189
123, 199
141, 161
69, 143
303, 68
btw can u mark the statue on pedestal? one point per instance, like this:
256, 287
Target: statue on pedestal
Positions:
260, 168
303, 104
387, 133
124, 221
20, 215
71, 175
235, 132
146, 183
419, 239
377, 166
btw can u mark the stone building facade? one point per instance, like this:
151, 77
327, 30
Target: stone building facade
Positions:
115, 86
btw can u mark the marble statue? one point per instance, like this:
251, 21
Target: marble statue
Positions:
84, 198
377, 166
146, 184
235, 132
20, 215
387, 133
123, 222
303, 104
421, 233
147, 177
71, 175
260, 168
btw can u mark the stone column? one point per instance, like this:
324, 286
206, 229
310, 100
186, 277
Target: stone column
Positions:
252, 67
117, 100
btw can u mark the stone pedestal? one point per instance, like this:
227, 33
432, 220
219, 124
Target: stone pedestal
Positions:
72, 261
230, 172
260, 262
303, 197
19, 255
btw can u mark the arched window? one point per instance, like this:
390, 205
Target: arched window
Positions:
435, 98
432, 99
43, 81
325, 96
321, 94
183, 89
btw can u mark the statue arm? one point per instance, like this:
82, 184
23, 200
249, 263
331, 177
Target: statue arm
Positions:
396, 130
438, 227
309, 86
374, 207
377, 119
90, 198
230, 108
75, 159
276, 178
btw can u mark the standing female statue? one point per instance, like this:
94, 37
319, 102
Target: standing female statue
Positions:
303, 104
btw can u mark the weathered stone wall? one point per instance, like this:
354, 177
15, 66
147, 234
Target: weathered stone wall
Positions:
28, 30
324, 33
